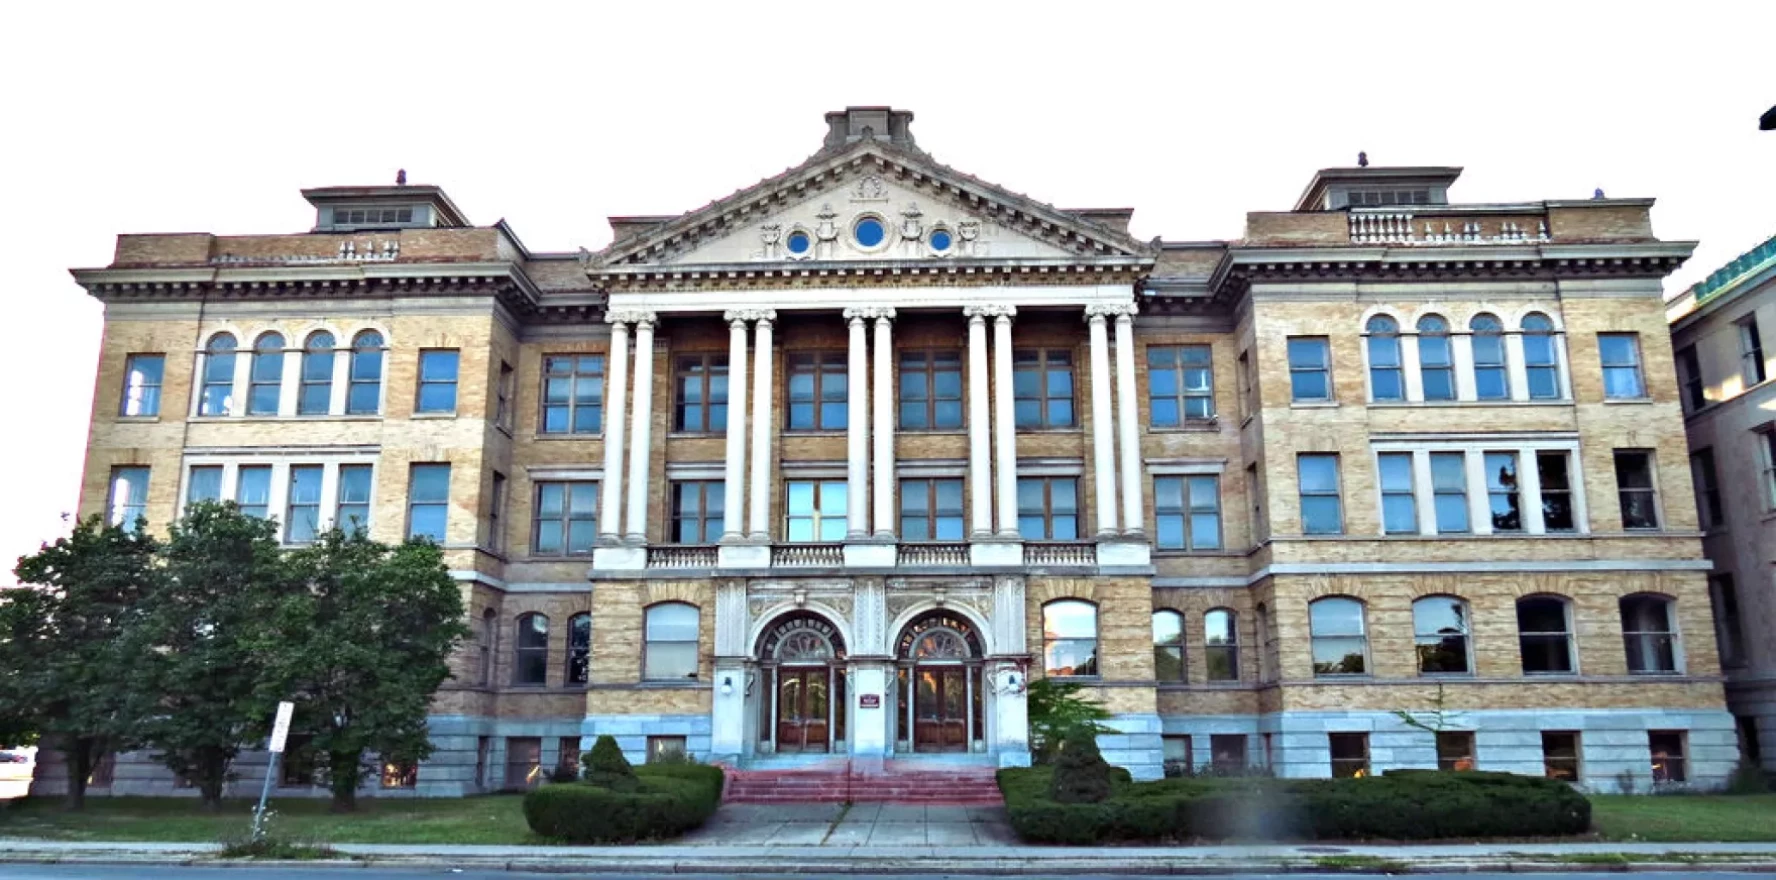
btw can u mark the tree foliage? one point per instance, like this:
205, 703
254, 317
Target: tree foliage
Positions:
1058, 712
1081, 775
606, 766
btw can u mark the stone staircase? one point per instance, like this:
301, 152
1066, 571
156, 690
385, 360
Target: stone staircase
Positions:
840, 782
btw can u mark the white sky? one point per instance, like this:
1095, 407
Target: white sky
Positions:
182, 117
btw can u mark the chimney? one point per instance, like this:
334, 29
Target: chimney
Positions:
853, 124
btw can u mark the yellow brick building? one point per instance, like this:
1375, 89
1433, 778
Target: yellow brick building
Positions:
837, 464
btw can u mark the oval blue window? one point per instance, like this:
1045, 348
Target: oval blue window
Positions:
869, 232
940, 240
799, 242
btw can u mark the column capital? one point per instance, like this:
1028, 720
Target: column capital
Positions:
744, 315
629, 316
865, 313
990, 311
1110, 310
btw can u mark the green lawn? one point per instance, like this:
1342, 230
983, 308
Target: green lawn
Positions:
1684, 817
493, 819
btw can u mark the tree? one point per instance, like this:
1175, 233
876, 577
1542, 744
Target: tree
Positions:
1081, 775
361, 650
65, 639
1058, 712
606, 766
223, 575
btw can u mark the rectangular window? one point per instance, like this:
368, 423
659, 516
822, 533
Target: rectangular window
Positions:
1255, 505
1176, 755
1767, 451
700, 394
1310, 369
428, 501
1620, 353
1180, 385
573, 394
1635, 487
1560, 755
1048, 508
1399, 504
252, 490
353, 511
400, 774
931, 510
697, 515
1187, 512
1248, 390
664, 748
1708, 495
1557, 504
1751, 351
524, 761
298, 767
1455, 750
1449, 490
1322, 511
302, 517
818, 391
1667, 747
142, 375
128, 499
930, 390
566, 519
507, 387
815, 510
1227, 752
568, 754
1725, 596
437, 381
203, 483
496, 514
1502, 492
1689, 377
1042, 388
1350, 754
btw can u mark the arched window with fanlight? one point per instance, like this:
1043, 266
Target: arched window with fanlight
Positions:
670, 649
364, 389
1436, 359
1070, 638
1221, 645
1541, 359
530, 664
1649, 633
1440, 631
1387, 376
1340, 640
1168, 646
1492, 379
316, 394
265, 382
579, 648
216, 397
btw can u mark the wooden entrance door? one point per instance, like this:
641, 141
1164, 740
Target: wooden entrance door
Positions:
803, 710
940, 709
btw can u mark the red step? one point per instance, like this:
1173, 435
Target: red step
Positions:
964, 786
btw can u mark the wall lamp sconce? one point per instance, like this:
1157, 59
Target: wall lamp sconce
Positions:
727, 685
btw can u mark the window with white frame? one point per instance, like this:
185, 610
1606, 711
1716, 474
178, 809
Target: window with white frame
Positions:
1310, 369
1440, 631
437, 381
1449, 492
1387, 374
1180, 385
128, 497
816, 510
1187, 512
351, 511
1339, 639
142, 375
1492, 379
1221, 645
1502, 491
203, 483
302, 505
428, 501
1554, 472
265, 380
1168, 645
252, 490
1541, 358
314, 395
1322, 508
1513, 503
669, 652
1436, 358
573, 394
1620, 354
364, 383
216, 394
1399, 502
566, 518
931, 509
1070, 638
1751, 351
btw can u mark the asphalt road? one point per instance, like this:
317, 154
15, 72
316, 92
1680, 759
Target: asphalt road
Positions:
134, 872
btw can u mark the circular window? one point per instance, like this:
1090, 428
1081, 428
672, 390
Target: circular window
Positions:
940, 240
799, 242
869, 232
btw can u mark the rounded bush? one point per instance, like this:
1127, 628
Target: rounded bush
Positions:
664, 802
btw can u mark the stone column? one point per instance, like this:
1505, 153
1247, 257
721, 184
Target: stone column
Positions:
734, 475
728, 708
883, 490
1103, 449
616, 381
757, 523
871, 737
1007, 677
641, 431
1128, 428
857, 429
980, 478
1004, 423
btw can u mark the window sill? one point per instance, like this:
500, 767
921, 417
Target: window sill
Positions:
1193, 426
1630, 401
1313, 404
433, 415
1343, 676
933, 432
697, 435
1433, 404
683, 684
565, 435
1176, 553
143, 419
815, 432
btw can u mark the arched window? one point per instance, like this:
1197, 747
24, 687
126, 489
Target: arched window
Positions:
1436, 363
1541, 364
1221, 645
217, 396
1440, 628
1386, 378
1340, 642
531, 661
1168, 645
1544, 633
316, 396
579, 648
671, 650
1070, 638
266, 384
364, 393
489, 644
1649, 632
1491, 380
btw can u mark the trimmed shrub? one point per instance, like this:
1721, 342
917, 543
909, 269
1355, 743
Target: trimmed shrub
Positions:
606, 766
665, 801
1081, 775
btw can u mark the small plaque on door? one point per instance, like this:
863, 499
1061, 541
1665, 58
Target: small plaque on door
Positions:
869, 701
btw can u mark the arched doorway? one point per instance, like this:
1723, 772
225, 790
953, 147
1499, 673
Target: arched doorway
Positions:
941, 704
802, 656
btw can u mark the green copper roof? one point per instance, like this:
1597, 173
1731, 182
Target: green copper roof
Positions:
1744, 264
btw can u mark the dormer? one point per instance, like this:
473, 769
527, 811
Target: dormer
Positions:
364, 208
1335, 188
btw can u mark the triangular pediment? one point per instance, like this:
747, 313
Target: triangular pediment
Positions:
829, 210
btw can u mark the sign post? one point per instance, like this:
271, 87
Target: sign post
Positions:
280, 733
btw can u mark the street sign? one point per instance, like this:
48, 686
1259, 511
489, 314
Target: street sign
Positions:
281, 730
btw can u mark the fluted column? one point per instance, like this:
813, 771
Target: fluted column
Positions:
1004, 423
1103, 442
610, 495
980, 470
757, 525
883, 379
1133, 511
734, 475
641, 431
857, 430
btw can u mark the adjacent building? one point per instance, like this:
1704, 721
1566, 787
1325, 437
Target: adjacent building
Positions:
1730, 410
836, 465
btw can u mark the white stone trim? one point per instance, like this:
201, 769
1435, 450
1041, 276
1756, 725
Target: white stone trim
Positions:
568, 473
1049, 467
280, 462
1478, 567
1167, 467
813, 470
931, 469
695, 470
1473, 450
839, 295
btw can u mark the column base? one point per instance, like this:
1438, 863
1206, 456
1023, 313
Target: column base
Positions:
867, 553
1122, 551
1000, 553
632, 558
743, 556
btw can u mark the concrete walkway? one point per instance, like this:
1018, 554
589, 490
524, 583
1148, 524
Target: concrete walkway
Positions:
833, 825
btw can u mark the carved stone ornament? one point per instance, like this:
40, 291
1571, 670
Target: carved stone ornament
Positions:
770, 233
870, 189
1109, 310
911, 228
968, 230
629, 316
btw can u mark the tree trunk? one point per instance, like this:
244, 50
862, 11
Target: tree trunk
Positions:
344, 771
78, 756
212, 776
